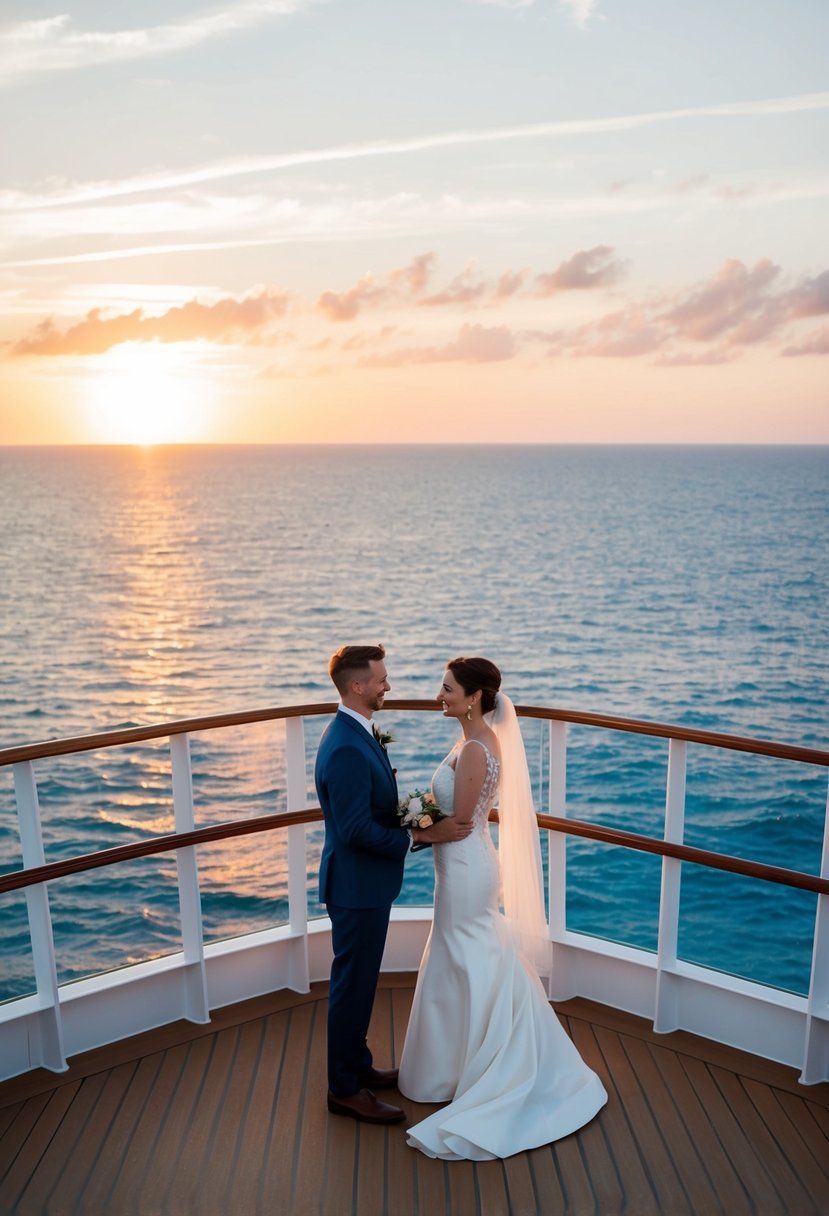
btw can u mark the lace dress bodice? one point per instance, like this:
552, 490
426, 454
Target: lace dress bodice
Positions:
443, 784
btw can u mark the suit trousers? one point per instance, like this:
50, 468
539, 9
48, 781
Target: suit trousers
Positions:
358, 936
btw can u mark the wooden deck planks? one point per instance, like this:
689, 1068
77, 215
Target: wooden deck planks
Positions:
639, 1194
661, 1165
792, 1144
722, 1184
781, 1174
667, 1100
30, 1143
253, 1138
756, 1189
234, 1120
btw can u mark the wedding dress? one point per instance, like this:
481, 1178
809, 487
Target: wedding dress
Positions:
482, 1035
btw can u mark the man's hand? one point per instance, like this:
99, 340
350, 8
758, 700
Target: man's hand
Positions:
445, 831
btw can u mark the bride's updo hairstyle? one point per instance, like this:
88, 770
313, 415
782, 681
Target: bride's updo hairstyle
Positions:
474, 674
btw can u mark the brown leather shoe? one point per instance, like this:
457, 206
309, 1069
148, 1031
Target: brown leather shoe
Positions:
380, 1078
364, 1107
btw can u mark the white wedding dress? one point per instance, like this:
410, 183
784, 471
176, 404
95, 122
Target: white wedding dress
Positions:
482, 1035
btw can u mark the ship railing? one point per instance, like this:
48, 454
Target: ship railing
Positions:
58, 1021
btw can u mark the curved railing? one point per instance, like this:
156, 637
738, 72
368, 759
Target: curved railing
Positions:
29, 876
36, 872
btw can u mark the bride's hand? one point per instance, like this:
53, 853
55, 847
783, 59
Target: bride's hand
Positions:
445, 831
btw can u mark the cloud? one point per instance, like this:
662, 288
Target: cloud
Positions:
463, 289
625, 334
811, 299
586, 269
407, 285
566, 128
816, 343
709, 322
508, 4
580, 10
474, 344
52, 44
736, 307
400, 284
415, 277
219, 322
509, 284
734, 301
706, 358
346, 305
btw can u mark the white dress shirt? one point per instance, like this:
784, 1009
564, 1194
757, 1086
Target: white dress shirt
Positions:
352, 713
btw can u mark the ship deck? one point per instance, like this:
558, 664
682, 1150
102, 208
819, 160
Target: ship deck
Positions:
230, 1117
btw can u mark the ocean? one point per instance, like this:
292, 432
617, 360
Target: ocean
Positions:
685, 585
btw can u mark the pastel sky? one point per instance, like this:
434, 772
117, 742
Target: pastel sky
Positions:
414, 221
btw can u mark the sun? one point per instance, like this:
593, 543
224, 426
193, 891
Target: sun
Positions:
140, 394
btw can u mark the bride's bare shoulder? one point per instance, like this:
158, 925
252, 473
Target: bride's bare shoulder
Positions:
487, 740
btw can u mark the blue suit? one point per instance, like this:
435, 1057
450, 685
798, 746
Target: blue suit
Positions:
361, 873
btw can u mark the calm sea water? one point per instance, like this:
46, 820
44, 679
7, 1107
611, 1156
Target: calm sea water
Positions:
686, 585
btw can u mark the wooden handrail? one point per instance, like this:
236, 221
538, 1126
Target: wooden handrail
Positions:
19, 879
158, 730
163, 730
687, 852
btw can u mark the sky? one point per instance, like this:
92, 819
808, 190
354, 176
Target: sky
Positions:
399, 221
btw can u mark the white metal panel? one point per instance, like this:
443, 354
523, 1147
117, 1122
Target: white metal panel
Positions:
667, 1016
44, 1030
297, 800
816, 1050
194, 1004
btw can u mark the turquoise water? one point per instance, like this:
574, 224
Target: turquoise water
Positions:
684, 585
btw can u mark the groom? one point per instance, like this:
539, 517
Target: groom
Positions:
361, 873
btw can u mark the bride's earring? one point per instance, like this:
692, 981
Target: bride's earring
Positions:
469, 713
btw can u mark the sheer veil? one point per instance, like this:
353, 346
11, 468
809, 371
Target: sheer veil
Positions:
519, 847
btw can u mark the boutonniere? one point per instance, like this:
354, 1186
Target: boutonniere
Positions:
383, 737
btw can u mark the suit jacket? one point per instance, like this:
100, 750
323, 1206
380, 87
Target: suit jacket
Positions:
365, 846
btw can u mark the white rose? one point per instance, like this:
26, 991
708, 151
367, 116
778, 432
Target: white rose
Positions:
415, 806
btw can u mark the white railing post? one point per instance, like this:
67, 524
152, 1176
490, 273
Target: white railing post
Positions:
557, 841
816, 1046
195, 1000
296, 783
46, 1039
666, 1016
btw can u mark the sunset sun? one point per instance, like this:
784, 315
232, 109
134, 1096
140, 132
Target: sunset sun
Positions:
147, 395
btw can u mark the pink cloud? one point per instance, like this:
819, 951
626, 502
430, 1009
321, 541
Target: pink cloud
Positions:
586, 269
219, 322
811, 299
346, 305
474, 344
415, 277
509, 284
624, 334
406, 282
734, 297
707, 358
816, 343
462, 290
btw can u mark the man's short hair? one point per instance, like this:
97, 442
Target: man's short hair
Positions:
351, 663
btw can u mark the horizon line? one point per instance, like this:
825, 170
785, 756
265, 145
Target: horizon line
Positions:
420, 443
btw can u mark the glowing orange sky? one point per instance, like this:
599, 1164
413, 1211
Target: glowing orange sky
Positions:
594, 225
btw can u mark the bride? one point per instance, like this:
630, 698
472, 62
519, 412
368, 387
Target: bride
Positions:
482, 1035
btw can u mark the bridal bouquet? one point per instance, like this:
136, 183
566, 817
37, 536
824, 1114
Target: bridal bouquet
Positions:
419, 810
